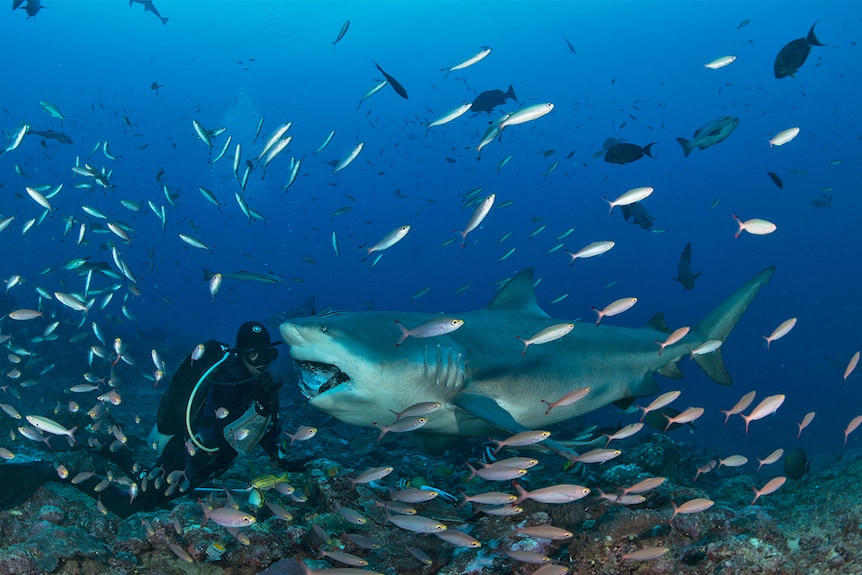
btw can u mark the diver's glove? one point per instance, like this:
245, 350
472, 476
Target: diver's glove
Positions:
267, 390
263, 407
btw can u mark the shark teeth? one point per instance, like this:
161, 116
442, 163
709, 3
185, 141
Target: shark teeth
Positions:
317, 378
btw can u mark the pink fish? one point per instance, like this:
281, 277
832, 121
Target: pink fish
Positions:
771, 487
766, 407
230, 517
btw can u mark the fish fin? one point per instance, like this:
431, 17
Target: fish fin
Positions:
517, 295
510, 93
720, 322
208, 274
489, 411
671, 370
657, 322
646, 150
624, 403
646, 386
811, 39
686, 146
627, 212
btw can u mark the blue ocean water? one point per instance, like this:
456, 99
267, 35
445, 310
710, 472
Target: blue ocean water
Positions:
638, 74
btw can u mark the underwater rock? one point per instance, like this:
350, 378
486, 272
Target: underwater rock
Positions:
51, 545
51, 513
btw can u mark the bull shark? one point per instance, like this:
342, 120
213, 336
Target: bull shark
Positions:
710, 134
351, 368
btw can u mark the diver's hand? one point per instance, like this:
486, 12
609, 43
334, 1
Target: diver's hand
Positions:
267, 386
263, 408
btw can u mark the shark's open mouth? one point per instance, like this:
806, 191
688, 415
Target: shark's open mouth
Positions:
316, 378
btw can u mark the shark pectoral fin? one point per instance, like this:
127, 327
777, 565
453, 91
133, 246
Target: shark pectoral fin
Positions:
488, 410
713, 366
671, 370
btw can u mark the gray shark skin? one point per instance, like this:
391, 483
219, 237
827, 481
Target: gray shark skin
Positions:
351, 368
710, 134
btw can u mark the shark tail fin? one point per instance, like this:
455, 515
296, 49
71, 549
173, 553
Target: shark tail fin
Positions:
720, 322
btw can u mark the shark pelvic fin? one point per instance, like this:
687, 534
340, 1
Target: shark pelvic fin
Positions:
518, 294
658, 323
671, 370
721, 320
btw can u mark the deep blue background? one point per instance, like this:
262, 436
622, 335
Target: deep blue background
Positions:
229, 63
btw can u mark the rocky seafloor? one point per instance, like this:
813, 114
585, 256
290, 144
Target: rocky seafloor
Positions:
809, 526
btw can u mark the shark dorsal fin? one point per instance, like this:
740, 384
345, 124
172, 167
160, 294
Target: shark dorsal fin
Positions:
517, 294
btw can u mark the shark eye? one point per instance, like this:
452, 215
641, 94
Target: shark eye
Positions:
323, 328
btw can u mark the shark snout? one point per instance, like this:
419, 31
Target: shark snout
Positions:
290, 333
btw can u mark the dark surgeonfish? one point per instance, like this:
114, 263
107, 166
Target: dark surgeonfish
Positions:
396, 85
711, 133
793, 55
684, 274
31, 7
638, 214
149, 7
775, 179
625, 153
490, 99
52, 135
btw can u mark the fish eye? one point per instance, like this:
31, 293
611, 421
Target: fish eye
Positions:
323, 328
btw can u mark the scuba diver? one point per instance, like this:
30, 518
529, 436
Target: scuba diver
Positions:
221, 402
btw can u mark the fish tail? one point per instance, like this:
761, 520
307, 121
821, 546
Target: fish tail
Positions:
720, 322
522, 493
811, 39
510, 93
405, 333
686, 146
646, 150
